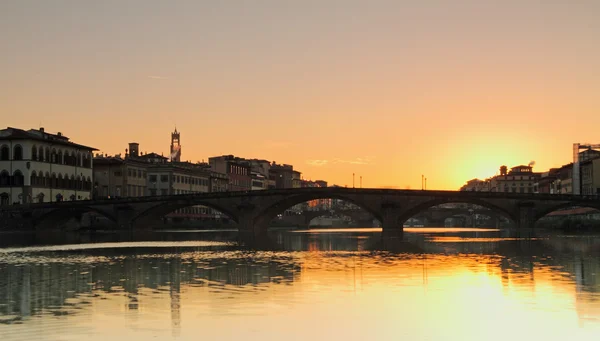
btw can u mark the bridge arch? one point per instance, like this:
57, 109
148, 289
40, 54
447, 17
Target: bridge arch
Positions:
265, 216
473, 201
157, 212
60, 216
561, 206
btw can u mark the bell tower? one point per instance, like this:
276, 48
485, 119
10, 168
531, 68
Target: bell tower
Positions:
175, 146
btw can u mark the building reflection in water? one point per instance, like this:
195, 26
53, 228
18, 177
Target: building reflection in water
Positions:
64, 283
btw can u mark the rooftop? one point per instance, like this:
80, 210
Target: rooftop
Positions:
11, 133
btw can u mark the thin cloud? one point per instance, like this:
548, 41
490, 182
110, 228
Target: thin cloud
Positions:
317, 163
157, 77
355, 161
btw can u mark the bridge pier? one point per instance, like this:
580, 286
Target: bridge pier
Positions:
390, 222
251, 227
526, 217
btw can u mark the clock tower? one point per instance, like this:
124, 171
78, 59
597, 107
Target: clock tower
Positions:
175, 146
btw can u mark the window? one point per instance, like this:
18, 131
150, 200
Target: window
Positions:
4, 200
152, 178
34, 154
18, 153
18, 178
4, 179
4, 153
164, 178
129, 172
139, 173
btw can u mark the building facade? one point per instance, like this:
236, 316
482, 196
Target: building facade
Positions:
590, 176
36, 166
282, 175
115, 176
238, 170
519, 179
476, 185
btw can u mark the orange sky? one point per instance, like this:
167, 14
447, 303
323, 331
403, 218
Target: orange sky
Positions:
388, 90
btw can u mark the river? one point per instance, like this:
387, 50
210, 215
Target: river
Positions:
334, 284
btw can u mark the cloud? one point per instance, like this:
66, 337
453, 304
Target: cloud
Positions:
157, 77
355, 161
317, 163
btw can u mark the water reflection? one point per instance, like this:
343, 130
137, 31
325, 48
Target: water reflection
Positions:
434, 283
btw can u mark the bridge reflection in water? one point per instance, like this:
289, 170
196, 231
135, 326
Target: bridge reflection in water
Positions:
71, 285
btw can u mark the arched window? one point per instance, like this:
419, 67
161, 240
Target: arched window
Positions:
18, 152
88, 184
47, 180
72, 159
41, 154
59, 158
4, 179
18, 178
59, 181
40, 197
79, 164
33, 180
79, 183
4, 153
53, 181
53, 156
4, 199
86, 161
34, 154
72, 183
47, 156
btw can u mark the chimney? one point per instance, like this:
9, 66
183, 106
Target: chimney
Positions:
42, 129
59, 133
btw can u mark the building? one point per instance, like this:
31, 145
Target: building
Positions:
237, 169
175, 146
476, 185
296, 179
590, 176
321, 183
547, 183
219, 182
259, 181
282, 175
173, 178
115, 176
519, 179
36, 166
565, 179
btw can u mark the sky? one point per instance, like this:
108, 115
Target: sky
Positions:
387, 90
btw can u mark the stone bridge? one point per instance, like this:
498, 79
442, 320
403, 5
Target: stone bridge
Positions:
432, 217
253, 210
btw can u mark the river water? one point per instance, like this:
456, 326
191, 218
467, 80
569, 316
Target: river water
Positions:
430, 284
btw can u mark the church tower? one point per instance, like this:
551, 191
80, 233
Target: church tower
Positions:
175, 146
